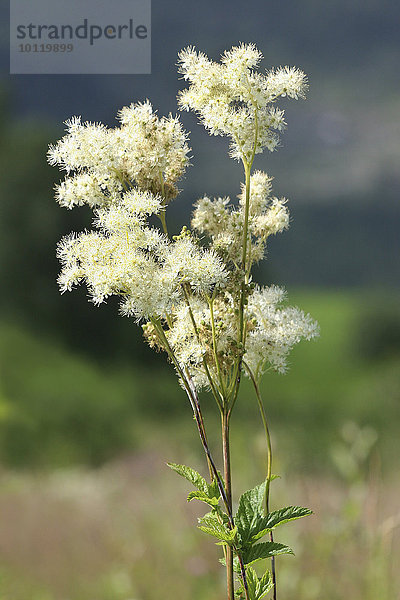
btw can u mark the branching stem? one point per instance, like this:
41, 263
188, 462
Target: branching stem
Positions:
215, 347
216, 395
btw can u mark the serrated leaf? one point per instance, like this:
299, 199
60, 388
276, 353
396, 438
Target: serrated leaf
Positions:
252, 581
289, 513
213, 489
249, 510
265, 584
264, 550
198, 495
210, 524
277, 517
191, 475
257, 587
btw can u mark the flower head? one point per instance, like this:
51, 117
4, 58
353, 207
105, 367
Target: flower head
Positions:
233, 99
274, 330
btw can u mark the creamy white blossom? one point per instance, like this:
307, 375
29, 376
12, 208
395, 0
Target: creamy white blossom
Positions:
201, 269
131, 260
145, 151
222, 222
274, 220
195, 293
233, 99
81, 189
287, 81
115, 264
142, 202
224, 225
190, 349
152, 152
86, 146
193, 348
260, 190
274, 330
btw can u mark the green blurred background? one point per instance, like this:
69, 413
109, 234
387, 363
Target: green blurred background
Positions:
89, 415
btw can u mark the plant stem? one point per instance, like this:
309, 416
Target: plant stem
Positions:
214, 343
163, 221
247, 169
269, 463
228, 487
163, 210
205, 364
224, 491
194, 402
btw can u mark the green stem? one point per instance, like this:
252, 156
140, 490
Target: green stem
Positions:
170, 352
195, 404
163, 220
163, 210
228, 486
269, 462
205, 364
247, 170
215, 349
234, 388
194, 401
225, 491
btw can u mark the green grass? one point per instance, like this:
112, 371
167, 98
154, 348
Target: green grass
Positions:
125, 531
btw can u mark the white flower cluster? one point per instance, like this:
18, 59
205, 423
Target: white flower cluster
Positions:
125, 175
191, 347
144, 151
198, 303
83, 188
129, 259
223, 223
274, 330
233, 99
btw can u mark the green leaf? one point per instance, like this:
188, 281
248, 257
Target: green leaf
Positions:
264, 550
197, 495
213, 489
191, 475
277, 517
249, 511
265, 584
210, 524
258, 587
252, 581
289, 513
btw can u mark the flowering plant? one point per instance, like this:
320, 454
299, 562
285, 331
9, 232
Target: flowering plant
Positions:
194, 294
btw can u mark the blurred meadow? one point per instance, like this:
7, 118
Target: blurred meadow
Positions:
89, 416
